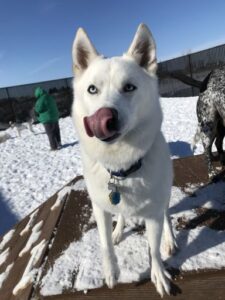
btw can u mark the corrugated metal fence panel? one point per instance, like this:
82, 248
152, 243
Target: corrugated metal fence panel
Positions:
69, 82
208, 59
176, 64
3, 94
197, 65
169, 87
28, 89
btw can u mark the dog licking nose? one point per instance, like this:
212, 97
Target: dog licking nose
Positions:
103, 124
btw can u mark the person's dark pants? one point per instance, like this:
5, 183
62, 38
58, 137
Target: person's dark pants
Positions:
53, 133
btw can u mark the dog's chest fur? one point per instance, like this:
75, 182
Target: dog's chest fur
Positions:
141, 191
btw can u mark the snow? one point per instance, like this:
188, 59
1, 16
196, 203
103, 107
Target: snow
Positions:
35, 234
180, 124
86, 256
4, 275
3, 256
61, 194
4, 136
7, 237
31, 173
30, 223
79, 185
30, 271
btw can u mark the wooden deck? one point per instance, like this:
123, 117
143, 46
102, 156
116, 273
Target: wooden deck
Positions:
66, 224
202, 286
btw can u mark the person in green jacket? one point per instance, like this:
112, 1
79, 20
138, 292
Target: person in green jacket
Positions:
48, 114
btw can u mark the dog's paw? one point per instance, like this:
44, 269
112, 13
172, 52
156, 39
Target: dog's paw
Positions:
117, 236
111, 277
110, 281
111, 270
161, 279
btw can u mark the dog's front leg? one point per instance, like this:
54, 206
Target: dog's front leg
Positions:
104, 223
170, 244
219, 142
208, 158
118, 231
19, 133
207, 140
159, 275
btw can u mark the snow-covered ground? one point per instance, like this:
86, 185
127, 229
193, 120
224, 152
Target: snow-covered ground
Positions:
30, 173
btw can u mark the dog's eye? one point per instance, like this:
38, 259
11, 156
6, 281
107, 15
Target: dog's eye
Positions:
92, 89
129, 88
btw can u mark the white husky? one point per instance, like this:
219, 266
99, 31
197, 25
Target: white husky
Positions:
20, 127
126, 160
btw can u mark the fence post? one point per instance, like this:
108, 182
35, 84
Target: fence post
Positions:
191, 74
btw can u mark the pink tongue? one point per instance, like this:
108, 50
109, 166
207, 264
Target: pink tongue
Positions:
97, 124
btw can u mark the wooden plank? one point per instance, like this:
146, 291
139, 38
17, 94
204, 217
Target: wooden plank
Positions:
17, 243
201, 286
75, 215
192, 170
73, 222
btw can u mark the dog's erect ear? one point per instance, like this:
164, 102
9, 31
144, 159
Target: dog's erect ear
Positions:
83, 52
143, 49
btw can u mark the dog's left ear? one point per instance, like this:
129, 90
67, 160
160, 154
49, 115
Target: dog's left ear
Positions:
83, 52
143, 49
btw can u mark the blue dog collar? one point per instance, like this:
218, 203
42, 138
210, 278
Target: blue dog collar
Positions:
124, 173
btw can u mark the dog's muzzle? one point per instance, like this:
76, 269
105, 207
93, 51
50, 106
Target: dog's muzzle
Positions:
103, 124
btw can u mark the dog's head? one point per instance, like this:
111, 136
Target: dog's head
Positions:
116, 106
11, 124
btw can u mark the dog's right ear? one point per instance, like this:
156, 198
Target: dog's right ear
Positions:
83, 52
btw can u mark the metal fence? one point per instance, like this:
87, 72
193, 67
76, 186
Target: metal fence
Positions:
196, 65
16, 102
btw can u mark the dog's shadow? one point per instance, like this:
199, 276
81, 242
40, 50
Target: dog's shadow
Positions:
210, 221
180, 149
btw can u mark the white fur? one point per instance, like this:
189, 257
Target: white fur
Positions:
146, 192
20, 127
196, 139
4, 137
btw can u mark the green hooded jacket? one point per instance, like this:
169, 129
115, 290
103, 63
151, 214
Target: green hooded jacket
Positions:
45, 107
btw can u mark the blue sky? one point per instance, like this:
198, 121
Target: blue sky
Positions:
36, 35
